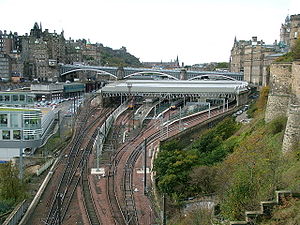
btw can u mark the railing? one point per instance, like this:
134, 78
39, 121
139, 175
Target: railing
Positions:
47, 121
104, 129
44, 167
17, 214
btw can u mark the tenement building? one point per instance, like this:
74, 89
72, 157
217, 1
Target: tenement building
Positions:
41, 52
37, 55
254, 57
173, 64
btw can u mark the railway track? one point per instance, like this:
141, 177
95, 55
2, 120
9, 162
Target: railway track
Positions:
130, 209
74, 168
116, 209
88, 200
121, 196
132, 217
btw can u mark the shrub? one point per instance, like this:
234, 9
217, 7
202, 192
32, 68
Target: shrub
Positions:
277, 125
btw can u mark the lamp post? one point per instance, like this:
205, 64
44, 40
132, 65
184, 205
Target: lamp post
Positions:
129, 86
99, 147
21, 167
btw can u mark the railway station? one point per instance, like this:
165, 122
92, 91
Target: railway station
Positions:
204, 89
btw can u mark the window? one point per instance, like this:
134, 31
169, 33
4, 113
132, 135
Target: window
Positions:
30, 99
15, 120
6, 134
22, 98
32, 123
3, 120
28, 137
15, 98
6, 98
1, 98
17, 135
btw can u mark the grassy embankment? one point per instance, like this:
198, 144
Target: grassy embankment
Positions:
241, 164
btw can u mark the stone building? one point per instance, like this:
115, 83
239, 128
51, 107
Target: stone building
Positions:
173, 64
73, 51
9, 43
254, 57
5, 67
10, 47
35, 57
81, 51
41, 53
290, 30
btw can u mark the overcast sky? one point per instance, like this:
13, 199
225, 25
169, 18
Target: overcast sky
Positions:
196, 30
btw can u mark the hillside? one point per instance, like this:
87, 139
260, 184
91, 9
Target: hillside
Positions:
118, 57
242, 164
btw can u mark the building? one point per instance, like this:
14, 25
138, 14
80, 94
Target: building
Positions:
9, 43
290, 30
20, 126
163, 65
254, 57
47, 91
81, 51
5, 67
41, 53
57, 91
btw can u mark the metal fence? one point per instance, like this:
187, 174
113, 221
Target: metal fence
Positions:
104, 129
16, 214
44, 167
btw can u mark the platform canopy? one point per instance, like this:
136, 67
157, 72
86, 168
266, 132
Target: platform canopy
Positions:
175, 88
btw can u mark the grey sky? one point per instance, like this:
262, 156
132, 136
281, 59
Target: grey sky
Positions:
153, 30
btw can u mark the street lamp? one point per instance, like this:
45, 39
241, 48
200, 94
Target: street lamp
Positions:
129, 86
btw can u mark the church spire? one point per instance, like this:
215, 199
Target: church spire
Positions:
177, 61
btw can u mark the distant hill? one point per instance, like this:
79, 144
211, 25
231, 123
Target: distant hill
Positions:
118, 57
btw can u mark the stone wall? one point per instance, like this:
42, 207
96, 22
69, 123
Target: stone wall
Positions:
292, 130
284, 99
296, 79
280, 84
277, 106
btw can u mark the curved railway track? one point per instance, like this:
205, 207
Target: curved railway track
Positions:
116, 209
88, 199
74, 167
124, 208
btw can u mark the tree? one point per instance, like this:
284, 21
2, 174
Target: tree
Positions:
202, 179
11, 186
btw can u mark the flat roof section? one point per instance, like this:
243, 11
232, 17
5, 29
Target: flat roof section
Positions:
175, 87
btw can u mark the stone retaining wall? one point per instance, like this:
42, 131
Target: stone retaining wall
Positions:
284, 100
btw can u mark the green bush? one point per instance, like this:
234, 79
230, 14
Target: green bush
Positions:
6, 205
288, 57
175, 161
196, 217
277, 125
